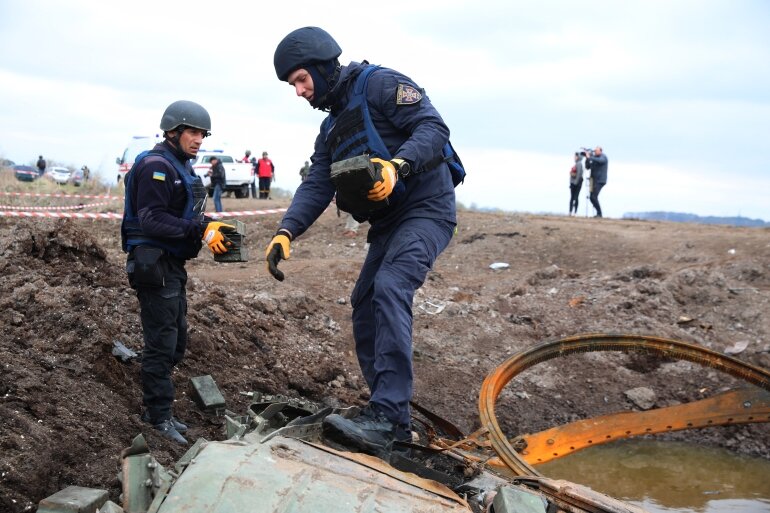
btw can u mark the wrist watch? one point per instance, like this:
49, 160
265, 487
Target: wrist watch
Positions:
404, 167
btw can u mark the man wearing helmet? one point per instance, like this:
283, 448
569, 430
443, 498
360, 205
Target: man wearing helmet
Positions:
164, 226
410, 205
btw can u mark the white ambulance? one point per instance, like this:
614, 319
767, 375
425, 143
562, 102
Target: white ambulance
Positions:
135, 146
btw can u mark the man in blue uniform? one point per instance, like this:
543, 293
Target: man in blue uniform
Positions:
163, 224
410, 205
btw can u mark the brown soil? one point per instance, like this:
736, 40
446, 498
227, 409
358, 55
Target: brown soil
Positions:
68, 407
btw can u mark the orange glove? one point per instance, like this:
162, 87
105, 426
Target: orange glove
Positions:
277, 250
383, 188
215, 239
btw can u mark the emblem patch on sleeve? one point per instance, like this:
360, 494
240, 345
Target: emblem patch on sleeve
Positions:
157, 175
407, 95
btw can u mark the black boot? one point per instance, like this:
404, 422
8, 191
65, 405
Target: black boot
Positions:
169, 432
402, 436
182, 428
370, 431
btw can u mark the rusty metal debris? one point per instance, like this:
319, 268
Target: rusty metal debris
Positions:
727, 408
276, 456
742, 406
123, 353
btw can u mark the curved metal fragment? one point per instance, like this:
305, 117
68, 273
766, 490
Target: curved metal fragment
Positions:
502, 375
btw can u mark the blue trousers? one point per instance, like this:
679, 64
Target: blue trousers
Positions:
218, 198
594, 197
395, 267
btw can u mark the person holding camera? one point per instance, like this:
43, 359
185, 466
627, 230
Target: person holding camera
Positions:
596, 161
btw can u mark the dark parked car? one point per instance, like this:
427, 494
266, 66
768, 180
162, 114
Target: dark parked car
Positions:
25, 173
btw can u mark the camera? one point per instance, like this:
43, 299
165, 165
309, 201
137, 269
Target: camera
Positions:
586, 152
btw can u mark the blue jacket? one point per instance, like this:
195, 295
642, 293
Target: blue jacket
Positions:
410, 127
164, 204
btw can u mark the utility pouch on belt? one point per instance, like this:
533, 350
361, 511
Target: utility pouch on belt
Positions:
353, 178
147, 271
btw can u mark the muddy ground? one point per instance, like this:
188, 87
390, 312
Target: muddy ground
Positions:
68, 407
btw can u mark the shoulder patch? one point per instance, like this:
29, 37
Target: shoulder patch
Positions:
407, 95
157, 175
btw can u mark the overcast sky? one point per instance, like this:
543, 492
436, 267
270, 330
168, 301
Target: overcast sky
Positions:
677, 92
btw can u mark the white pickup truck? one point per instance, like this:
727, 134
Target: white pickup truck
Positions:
238, 174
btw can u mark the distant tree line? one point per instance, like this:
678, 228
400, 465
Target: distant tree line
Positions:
680, 217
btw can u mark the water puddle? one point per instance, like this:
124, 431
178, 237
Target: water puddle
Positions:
670, 477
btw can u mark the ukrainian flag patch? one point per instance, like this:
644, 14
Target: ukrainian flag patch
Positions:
157, 175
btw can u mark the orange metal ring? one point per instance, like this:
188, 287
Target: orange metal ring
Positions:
502, 375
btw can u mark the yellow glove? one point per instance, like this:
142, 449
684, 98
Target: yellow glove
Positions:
215, 239
383, 188
278, 250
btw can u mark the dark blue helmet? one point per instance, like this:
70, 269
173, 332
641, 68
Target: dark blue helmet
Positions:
302, 47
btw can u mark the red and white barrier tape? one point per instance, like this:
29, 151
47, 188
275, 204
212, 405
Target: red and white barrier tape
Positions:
57, 195
119, 215
71, 207
73, 215
217, 215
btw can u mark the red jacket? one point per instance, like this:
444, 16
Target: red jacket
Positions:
265, 168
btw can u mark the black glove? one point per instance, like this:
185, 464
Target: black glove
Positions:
277, 250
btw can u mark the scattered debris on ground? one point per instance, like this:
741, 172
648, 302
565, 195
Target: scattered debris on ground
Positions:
69, 404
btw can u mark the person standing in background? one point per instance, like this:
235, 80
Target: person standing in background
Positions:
247, 158
41, 165
597, 163
253, 186
304, 170
575, 183
266, 174
218, 182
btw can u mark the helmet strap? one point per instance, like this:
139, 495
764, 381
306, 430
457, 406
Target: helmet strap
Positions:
175, 145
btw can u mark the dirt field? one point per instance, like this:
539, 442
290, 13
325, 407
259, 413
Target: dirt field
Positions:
68, 407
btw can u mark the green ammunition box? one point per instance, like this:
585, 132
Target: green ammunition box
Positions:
207, 394
73, 499
515, 500
353, 178
238, 252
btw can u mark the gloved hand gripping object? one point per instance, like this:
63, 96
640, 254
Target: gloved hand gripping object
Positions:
388, 172
277, 250
365, 184
213, 236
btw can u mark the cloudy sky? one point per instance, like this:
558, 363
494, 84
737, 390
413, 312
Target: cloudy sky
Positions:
677, 92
